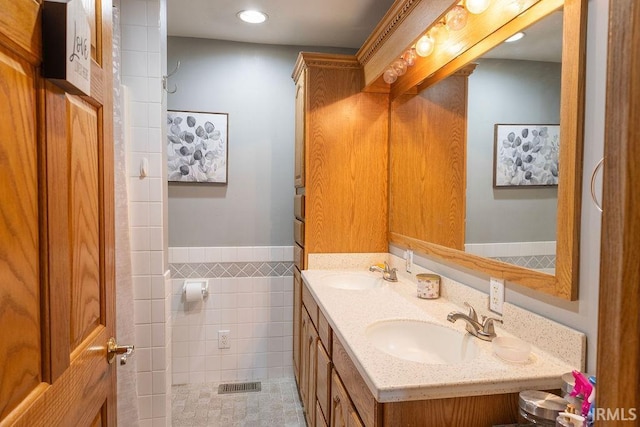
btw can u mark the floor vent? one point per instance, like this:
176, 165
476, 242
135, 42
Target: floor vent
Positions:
239, 387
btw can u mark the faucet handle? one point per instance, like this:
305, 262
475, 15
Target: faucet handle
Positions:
487, 325
472, 311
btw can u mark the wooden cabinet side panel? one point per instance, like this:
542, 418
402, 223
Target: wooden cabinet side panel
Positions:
346, 163
368, 408
300, 112
427, 164
476, 411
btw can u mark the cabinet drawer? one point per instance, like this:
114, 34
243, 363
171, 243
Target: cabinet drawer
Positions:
323, 382
368, 408
298, 232
324, 330
310, 304
298, 206
298, 256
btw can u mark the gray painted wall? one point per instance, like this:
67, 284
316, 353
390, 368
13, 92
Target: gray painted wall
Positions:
508, 92
581, 315
253, 84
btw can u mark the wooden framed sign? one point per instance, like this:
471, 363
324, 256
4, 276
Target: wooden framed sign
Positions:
67, 45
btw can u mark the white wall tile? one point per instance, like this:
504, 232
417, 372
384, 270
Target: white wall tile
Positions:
138, 91
244, 254
196, 255
153, 62
153, 14
261, 253
145, 407
138, 214
139, 138
212, 254
134, 37
139, 239
134, 63
138, 190
139, 114
133, 12
145, 383
143, 359
158, 289
159, 402
276, 253
228, 254
288, 253
155, 114
155, 189
159, 383
142, 312
141, 287
153, 39
156, 142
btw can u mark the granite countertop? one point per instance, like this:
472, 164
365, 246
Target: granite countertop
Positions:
390, 379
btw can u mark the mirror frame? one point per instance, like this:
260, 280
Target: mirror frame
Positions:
564, 283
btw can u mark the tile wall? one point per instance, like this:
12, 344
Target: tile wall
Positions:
143, 35
251, 295
535, 255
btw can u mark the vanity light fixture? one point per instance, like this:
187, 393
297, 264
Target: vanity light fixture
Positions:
515, 37
477, 6
425, 45
252, 16
456, 18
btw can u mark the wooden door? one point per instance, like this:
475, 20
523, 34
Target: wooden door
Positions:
618, 365
56, 230
299, 169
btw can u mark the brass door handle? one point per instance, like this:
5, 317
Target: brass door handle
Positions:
113, 349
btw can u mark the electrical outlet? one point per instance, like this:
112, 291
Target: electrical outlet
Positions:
223, 339
408, 256
496, 295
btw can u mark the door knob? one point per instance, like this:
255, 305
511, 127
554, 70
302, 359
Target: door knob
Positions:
113, 349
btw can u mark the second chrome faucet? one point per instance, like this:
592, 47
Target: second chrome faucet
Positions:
483, 330
388, 274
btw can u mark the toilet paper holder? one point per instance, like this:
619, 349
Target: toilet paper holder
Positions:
204, 286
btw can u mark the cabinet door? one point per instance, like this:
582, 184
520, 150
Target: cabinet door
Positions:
297, 305
312, 351
304, 359
343, 413
300, 128
323, 382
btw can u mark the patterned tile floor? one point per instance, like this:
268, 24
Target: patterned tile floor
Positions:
277, 405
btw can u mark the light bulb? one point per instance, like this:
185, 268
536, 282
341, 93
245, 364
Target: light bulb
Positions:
400, 67
457, 18
477, 6
409, 57
425, 45
390, 76
252, 16
439, 33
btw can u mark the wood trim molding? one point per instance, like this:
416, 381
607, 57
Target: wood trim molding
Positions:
385, 28
323, 60
618, 364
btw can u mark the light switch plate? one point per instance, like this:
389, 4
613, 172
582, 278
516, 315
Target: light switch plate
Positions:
496, 295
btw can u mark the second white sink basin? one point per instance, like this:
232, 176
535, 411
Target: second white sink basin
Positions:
422, 342
352, 281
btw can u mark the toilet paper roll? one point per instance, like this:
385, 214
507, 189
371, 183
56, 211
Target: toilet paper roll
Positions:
193, 291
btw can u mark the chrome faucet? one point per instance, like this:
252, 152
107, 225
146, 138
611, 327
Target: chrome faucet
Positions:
483, 330
388, 274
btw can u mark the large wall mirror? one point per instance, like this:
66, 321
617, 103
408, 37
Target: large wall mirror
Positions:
443, 201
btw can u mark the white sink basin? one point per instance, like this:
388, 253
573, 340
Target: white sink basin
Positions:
352, 281
422, 342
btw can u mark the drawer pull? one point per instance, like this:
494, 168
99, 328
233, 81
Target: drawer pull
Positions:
336, 399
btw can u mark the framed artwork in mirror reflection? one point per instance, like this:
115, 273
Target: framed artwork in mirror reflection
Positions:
526, 155
197, 146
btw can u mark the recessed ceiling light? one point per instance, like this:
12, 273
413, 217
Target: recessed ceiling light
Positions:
515, 37
252, 16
